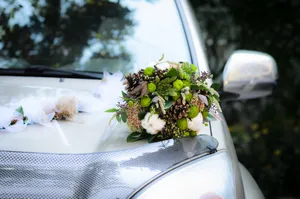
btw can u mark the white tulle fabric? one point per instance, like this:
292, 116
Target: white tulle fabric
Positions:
41, 111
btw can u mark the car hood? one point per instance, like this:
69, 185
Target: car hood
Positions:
86, 133
92, 161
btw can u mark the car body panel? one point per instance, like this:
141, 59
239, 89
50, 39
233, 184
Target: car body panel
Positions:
250, 186
115, 174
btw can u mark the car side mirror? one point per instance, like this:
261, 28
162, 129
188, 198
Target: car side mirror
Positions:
249, 74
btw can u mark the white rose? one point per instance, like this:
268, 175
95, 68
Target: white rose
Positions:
152, 123
195, 123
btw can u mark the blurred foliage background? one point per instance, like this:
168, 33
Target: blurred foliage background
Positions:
265, 131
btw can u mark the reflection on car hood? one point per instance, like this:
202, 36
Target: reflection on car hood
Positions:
98, 175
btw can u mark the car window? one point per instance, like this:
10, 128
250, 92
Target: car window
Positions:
90, 35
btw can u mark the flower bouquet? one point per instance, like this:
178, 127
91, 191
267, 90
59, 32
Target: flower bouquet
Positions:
167, 100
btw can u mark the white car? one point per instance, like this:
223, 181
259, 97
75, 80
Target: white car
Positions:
87, 158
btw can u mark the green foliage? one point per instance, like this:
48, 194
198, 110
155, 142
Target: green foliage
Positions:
172, 72
130, 103
215, 86
161, 58
189, 68
193, 133
118, 117
188, 97
186, 83
168, 80
193, 111
186, 134
149, 71
168, 104
166, 90
135, 136
177, 96
20, 110
182, 124
141, 115
151, 87
112, 110
124, 116
145, 102
178, 84
183, 74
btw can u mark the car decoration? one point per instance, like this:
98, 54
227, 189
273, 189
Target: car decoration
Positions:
167, 100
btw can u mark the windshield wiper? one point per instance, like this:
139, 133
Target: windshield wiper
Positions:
45, 71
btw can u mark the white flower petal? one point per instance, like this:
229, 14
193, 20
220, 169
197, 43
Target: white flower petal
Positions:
195, 123
203, 99
152, 123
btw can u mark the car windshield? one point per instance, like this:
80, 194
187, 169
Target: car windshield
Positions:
90, 36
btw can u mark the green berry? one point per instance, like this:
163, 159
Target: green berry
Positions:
193, 133
176, 97
186, 83
148, 71
178, 84
182, 124
186, 134
193, 111
130, 103
151, 87
188, 97
145, 102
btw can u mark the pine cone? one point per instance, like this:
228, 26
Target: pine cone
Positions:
178, 110
160, 73
132, 81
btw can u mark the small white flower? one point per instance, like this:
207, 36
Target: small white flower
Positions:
152, 123
195, 123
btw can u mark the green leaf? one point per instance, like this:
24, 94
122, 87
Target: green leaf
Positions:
135, 136
168, 104
124, 94
168, 80
124, 116
20, 110
112, 110
172, 92
111, 119
118, 117
162, 57
151, 137
205, 114
172, 72
141, 115
215, 86
195, 87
